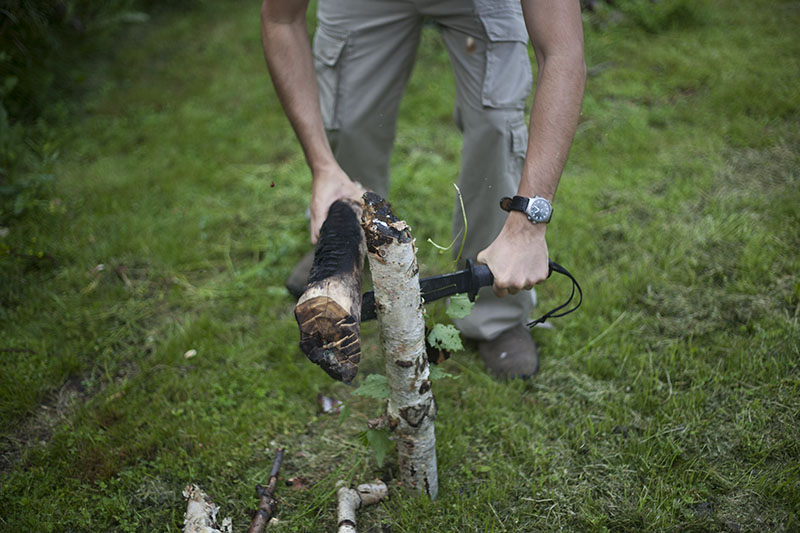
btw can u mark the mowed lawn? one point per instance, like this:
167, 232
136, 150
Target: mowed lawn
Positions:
148, 342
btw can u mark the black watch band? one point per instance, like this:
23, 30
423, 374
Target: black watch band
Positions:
517, 203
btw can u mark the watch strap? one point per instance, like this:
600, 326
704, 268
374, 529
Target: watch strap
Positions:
517, 203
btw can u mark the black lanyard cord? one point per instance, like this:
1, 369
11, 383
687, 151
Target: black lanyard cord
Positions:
555, 267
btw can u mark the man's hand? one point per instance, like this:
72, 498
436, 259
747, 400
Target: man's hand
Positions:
329, 185
518, 256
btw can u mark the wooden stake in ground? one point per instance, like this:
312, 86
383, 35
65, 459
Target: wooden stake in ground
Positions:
352, 499
329, 311
411, 409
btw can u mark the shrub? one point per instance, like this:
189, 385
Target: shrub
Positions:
653, 16
41, 41
663, 15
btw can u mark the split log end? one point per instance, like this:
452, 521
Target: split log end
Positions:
330, 337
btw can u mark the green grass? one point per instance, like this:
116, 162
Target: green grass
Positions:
669, 402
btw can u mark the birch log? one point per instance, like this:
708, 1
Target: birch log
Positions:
329, 311
352, 499
411, 408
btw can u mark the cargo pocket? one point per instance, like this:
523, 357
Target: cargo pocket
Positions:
328, 47
507, 79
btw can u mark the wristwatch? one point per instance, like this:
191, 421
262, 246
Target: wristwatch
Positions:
537, 209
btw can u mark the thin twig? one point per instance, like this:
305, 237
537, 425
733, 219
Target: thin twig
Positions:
267, 504
464, 218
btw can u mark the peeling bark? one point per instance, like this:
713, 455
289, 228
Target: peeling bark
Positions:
352, 499
411, 406
201, 513
329, 311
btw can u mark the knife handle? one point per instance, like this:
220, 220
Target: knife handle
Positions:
481, 276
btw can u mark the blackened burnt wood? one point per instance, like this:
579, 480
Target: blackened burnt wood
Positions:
329, 311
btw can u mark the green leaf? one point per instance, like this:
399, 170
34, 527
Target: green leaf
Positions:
445, 337
380, 443
374, 386
459, 306
438, 373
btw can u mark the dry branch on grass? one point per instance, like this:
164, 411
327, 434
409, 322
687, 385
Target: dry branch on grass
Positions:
267, 503
201, 512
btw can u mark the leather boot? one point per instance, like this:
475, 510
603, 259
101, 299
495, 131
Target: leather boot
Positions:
512, 354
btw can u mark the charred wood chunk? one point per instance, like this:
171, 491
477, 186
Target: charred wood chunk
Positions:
339, 249
329, 311
382, 227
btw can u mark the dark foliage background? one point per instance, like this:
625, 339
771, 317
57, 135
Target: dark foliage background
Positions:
42, 40
43, 43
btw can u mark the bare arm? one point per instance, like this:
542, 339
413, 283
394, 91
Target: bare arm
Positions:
518, 256
288, 54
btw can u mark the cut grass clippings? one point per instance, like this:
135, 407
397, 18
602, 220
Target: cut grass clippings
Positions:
148, 342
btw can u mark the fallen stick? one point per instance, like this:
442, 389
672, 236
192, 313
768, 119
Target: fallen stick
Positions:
329, 311
352, 499
201, 513
267, 503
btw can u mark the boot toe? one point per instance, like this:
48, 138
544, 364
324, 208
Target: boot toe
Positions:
510, 355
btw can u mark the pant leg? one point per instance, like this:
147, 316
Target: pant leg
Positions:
364, 52
488, 50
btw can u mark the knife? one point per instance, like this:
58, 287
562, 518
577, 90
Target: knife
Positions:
434, 288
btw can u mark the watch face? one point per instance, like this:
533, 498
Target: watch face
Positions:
540, 210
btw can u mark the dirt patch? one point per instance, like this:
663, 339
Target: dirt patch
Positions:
39, 427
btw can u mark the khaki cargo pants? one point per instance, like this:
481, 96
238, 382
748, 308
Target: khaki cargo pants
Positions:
364, 52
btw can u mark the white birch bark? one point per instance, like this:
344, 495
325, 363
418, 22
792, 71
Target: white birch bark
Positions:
411, 408
352, 499
201, 513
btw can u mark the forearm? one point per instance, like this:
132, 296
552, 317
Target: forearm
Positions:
289, 59
554, 118
557, 37
288, 53
518, 256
